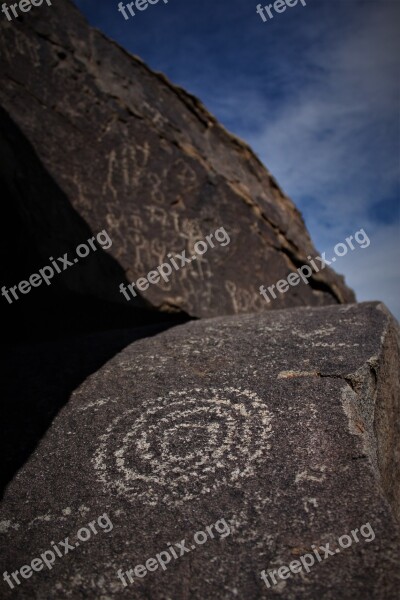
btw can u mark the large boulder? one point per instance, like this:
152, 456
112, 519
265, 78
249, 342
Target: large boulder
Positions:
40, 222
137, 156
277, 433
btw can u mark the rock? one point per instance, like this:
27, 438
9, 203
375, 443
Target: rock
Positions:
38, 383
284, 426
41, 223
135, 155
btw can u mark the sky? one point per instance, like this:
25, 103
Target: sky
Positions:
315, 92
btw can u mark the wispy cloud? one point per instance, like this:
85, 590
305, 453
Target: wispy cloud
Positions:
335, 146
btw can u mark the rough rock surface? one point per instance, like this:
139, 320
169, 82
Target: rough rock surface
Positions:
40, 222
136, 155
284, 424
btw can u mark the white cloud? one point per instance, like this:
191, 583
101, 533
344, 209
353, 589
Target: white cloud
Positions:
373, 271
331, 144
319, 143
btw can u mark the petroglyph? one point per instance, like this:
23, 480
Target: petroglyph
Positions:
108, 185
184, 445
242, 300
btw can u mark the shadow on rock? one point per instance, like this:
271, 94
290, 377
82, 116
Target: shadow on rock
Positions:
46, 337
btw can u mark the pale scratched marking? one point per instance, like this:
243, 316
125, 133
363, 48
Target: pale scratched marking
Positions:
45, 518
137, 221
136, 170
304, 476
322, 332
244, 297
230, 287
243, 300
140, 165
200, 261
309, 500
186, 176
142, 251
146, 153
96, 404
187, 444
158, 249
112, 160
107, 129
175, 219
6, 525
332, 345
157, 214
125, 167
156, 191
191, 232
83, 510
131, 170
247, 300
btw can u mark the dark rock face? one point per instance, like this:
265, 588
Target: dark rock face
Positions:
39, 223
282, 427
137, 156
284, 424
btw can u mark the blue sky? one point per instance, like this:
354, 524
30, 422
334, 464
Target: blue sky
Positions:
315, 91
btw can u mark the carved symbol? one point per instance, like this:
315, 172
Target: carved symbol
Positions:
185, 445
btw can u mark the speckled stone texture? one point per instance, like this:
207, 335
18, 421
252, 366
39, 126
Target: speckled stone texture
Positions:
284, 424
134, 154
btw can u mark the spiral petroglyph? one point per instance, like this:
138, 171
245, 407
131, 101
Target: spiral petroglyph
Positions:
183, 445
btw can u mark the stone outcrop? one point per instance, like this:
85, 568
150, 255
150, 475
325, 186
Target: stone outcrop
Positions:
284, 424
134, 154
40, 222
